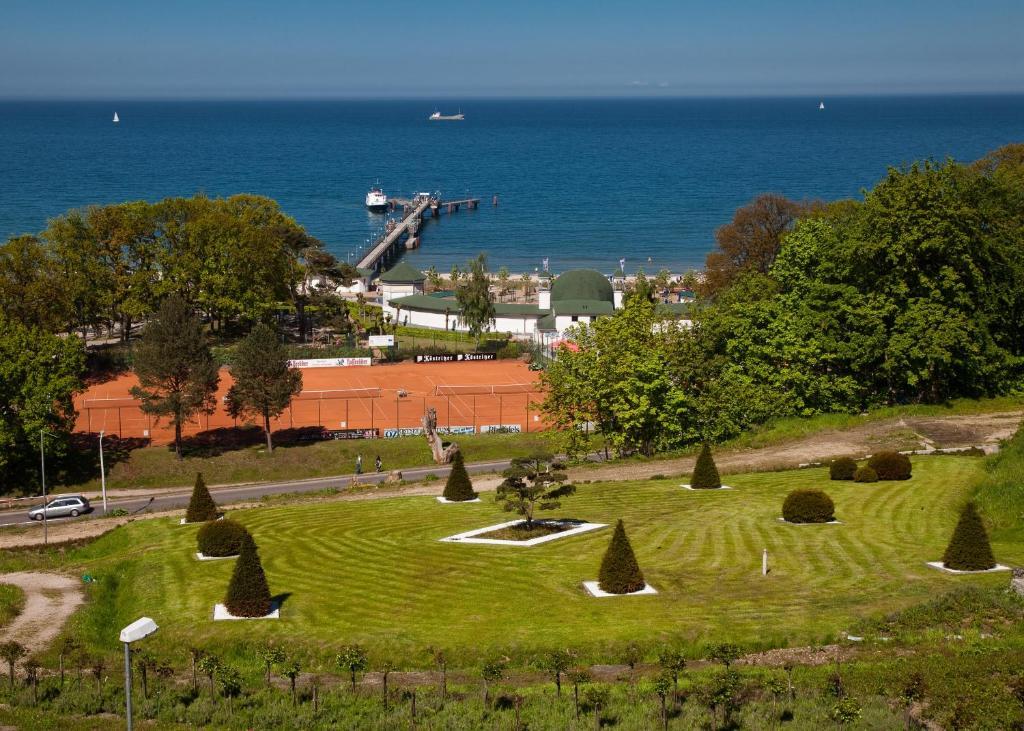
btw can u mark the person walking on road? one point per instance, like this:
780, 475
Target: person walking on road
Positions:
378, 463
359, 464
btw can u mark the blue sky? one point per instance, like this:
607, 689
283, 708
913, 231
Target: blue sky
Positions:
356, 48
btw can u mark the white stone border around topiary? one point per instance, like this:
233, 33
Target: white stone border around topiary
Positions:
221, 613
941, 567
184, 521
203, 557
828, 522
687, 486
470, 536
446, 501
594, 588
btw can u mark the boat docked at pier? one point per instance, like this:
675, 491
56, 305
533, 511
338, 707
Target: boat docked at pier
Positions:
438, 117
377, 200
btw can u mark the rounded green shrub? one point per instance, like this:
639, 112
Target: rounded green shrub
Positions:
842, 468
808, 506
248, 593
969, 549
201, 506
705, 473
890, 465
221, 538
865, 474
620, 573
459, 487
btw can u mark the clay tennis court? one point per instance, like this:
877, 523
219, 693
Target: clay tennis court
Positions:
481, 396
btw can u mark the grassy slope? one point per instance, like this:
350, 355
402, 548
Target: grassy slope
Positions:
157, 467
374, 571
12, 600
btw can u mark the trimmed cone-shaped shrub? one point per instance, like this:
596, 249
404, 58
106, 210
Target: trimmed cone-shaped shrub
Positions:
620, 573
248, 593
201, 506
459, 487
705, 473
808, 506
890, 465
865, 474
843, 468
221, 538
969, 549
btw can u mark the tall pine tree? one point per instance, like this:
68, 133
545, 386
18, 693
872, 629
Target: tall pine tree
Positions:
201, 506
264, 384
177, 374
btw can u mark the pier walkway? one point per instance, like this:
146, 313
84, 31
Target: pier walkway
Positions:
387, 248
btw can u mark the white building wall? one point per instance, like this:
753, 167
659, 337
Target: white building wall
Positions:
517, 325
390, 292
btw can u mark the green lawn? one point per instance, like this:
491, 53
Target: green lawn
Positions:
157, 467
374, 571
12, 600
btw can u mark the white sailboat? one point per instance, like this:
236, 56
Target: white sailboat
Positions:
116, 119
821, 105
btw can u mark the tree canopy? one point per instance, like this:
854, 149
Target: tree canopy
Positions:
473, 293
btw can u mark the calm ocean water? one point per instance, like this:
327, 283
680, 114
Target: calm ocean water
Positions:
583, 182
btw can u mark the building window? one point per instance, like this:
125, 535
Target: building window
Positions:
575, 318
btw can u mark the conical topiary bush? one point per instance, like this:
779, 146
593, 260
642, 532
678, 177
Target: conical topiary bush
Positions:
201, 506
969, 549
248, 593
705, 473
620, 573
459, 487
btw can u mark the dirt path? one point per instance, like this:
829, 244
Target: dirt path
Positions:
922, 433
50, 599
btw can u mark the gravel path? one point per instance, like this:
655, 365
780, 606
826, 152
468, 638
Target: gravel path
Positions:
50, 599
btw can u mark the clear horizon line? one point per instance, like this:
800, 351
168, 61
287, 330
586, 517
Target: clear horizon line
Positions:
494, 97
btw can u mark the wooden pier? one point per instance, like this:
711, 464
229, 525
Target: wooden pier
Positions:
402, 234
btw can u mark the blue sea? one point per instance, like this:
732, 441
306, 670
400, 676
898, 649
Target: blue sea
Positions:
582, 182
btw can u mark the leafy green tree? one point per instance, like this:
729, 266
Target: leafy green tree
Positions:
201, 506
846, 710
290, 669
177, 374
248, 593
705, 473
673, 662
474, 298
641, 289
264, 383
662, 687
620, 573
492, 670
352, 658
503, 280
208, 665
270, 655
230, 684
969, 548
578, 676
32, 290
726, 653
721, 691
556, 663
533, 482
459, 487
12, 651
39, 376
595, 697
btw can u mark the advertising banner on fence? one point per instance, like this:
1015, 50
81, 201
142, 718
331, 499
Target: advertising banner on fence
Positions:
324, 435
456, 430
501, 428
382, 341
395, 433
455, 357
329, 362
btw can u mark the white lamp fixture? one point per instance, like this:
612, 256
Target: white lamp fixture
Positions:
137, 630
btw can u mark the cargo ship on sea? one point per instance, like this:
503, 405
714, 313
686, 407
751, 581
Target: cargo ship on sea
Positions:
438, 117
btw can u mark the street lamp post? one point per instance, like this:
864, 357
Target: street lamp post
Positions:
42, 475
137, 630
103, 475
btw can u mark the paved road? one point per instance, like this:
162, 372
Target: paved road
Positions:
254, 491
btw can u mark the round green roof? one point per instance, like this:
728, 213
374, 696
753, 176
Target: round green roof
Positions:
582, 284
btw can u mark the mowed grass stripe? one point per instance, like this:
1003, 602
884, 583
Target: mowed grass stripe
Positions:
375, 572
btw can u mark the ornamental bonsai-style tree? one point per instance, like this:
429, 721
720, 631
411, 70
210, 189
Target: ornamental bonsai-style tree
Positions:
891, 465
248, 593
620, 573
221, 538
201, 506
533, 482
705, 473
969, 549
459, 487
843, 468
